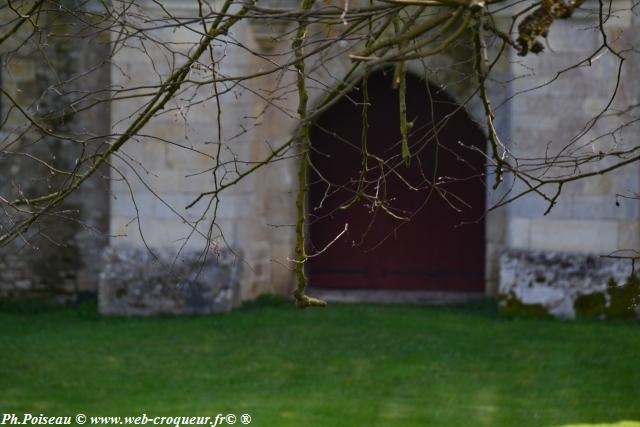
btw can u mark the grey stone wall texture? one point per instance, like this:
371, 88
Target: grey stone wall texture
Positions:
558, 282
59, 257
523, 246
143, 283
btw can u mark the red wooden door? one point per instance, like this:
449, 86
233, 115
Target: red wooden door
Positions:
442, 246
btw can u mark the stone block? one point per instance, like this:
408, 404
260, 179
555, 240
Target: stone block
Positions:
492, 268
604, 208
251, 228
145, 154
574, 36
519, 232
282, 275
626, 180
168, 181
201, 114
574, 236
124, 111
563, 77
629, 235
233, 206
259, 257
199, 157
553, 281
123, 227
534, 206
593, 105
135, 282
172, 207
170, 233
621, 17
283, 174
129, 207
596, 185
167, 232
280, 209
130, 178
166, 130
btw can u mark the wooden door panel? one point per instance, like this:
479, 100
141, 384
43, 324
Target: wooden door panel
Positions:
442, 246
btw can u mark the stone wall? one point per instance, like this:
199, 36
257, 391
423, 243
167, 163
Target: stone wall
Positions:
140, 282
566, 284
161, 172
588, 217
165, 170
60, 255
564, 246
562, 284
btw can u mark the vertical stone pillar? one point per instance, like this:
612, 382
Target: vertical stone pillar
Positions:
53, 77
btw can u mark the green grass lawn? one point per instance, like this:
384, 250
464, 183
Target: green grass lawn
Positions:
346, 365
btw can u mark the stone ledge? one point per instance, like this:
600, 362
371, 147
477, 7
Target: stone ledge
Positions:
133, 282
395, 297
550, 282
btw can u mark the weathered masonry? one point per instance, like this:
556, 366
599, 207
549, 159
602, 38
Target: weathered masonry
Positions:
549, 262
62, 258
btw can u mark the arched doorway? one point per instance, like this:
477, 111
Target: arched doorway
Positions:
442, 247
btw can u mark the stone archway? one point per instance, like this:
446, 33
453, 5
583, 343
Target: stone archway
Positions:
442, 248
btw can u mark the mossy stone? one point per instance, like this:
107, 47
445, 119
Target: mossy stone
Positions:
510, 306
590, 305
622, 300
